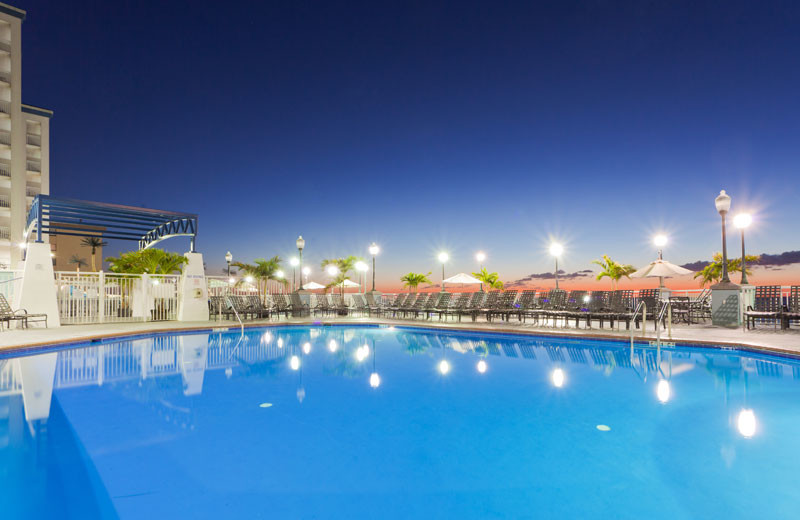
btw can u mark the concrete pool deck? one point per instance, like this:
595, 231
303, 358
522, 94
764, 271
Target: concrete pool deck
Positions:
764, 339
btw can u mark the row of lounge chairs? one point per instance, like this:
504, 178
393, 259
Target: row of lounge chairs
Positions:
769, 306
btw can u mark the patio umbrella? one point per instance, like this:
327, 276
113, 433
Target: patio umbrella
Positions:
462, 278
310, 286
347, 282
662, 269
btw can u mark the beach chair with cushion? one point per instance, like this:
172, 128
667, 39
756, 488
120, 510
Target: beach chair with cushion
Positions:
792, 312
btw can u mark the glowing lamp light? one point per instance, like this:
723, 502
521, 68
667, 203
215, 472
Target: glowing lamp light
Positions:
294, 362
248, 279
660, 240
267, 337
746, 423
332, 270
231, 280
374, 249
280, 342
556, 249
306, 348
742, 220
332, 346
361, 353
155, 282
558, 377
723, 202
361, 266
663, 391
23, 245
294, 262
444, 367
482, 366
279, 274
52, 255
374, 380
306, 271
443, 257
587, 299
480, 257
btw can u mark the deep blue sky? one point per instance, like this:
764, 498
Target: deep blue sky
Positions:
424, 126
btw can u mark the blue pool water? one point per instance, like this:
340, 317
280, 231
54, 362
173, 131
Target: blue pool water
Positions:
298, 422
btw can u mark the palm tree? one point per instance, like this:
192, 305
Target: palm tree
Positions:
613, 270
343, 267
262, 270
79, 262
713, 271
490, 280
94, 243
412, 280
151, 261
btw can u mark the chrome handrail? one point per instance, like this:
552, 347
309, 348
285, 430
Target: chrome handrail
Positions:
230, 302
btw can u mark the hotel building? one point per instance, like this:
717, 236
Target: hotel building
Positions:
24, 141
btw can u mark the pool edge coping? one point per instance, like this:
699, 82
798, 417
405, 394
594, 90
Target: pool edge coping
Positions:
42, 346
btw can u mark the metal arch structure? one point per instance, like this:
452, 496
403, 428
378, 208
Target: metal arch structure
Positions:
55, 216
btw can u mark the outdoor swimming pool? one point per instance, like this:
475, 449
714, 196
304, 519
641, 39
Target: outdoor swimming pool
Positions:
377, 422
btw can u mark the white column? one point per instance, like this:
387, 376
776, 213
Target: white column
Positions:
193, 290
37, 293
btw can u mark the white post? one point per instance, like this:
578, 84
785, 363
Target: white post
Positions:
37, 294
193, 296
101, 297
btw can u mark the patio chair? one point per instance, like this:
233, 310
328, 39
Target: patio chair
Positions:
281, 305
359, 304
408, 304
680, 309
472, 308
422, 305
440, 306
767, 306
298, 308
650, 297
700, 308
526, 301
373, 306
792, 312
339, 306
257, 307
21, 315
321, 305
456, 305
505, 304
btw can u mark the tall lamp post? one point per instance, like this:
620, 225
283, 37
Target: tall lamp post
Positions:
480, 256
726, 297
300, 243
556, 250
743, 221
229, 259
723, 204
443, 258
374, 250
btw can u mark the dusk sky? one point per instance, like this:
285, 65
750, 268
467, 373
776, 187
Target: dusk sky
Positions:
429, 126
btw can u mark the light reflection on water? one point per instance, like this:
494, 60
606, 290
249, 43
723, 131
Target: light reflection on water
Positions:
338, 402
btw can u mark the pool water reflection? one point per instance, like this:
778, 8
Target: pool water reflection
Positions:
355, 422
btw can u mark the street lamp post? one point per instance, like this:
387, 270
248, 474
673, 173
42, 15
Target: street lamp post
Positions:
362, 268
743, 221
723, 204
556, 249
294, 262
229, 259
443, 258
300, 243
374, 250
480, 256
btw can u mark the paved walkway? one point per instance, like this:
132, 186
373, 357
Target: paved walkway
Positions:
765, 338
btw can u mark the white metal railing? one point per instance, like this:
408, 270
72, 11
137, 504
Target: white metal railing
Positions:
107, 297
4, 202
5, 170
5, 233
5, 137
5, 107
33, 165
33, 139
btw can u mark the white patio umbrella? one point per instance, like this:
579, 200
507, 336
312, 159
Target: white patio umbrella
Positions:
461, 278
347, 282
310, 286
661, 269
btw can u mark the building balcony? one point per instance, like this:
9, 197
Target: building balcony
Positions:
5, 45
5, 170
5, 137
5, 107
33, 165
5, 233
33, 139
5, 76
